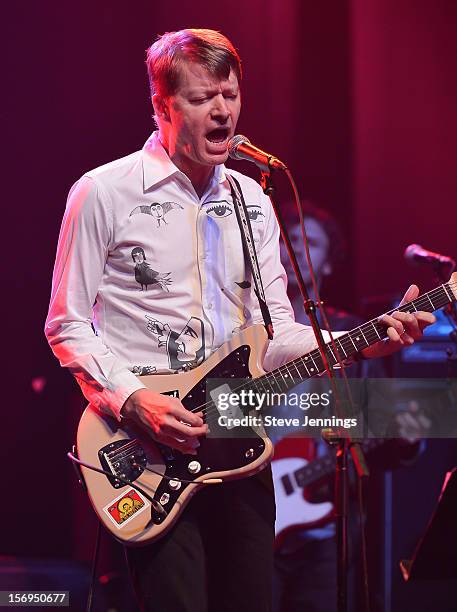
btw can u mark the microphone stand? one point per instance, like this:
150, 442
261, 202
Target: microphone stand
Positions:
340, 438
442, 273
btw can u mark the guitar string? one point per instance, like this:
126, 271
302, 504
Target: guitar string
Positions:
373, 333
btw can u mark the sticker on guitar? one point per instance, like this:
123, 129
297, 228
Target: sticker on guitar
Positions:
125, 507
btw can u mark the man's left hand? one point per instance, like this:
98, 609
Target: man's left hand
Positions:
403, 328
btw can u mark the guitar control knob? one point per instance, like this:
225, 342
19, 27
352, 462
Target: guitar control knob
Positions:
194, 467
174, 485
164, 498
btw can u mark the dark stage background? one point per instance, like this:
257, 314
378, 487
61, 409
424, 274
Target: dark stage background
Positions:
358, 97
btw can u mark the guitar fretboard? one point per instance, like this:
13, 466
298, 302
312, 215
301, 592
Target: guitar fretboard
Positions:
292, 373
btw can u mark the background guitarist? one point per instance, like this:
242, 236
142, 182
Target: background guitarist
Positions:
305, 558
108, 320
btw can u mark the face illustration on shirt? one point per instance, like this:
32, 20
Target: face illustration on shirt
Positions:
189, 341
138, 255
185, 348
157, 211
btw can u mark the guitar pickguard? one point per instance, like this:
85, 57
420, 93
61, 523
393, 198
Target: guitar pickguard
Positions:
215, 454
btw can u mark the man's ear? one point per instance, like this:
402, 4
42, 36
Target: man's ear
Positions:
160, 107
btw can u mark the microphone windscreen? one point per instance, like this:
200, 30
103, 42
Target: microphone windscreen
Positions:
234, 142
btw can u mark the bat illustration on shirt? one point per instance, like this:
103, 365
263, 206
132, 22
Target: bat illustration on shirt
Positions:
156, 210
145, 275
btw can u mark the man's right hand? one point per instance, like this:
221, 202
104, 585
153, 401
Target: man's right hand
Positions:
165, 419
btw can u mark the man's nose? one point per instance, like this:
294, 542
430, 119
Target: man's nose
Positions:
220, 110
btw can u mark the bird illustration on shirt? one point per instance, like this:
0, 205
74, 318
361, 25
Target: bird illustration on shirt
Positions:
145, 275
158, 211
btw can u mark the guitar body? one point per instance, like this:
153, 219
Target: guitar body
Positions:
293, 510
127, 451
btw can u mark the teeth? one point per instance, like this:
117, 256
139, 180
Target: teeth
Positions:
221, 137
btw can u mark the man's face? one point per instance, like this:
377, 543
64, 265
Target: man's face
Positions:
318, 250
201, 117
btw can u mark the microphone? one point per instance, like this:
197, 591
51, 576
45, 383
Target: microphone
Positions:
415, 253
240, 147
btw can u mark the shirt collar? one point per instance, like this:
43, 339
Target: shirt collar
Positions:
157, 166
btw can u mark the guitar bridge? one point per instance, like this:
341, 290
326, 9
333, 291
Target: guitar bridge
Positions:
124, 458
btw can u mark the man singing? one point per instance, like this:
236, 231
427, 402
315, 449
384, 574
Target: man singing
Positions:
172, 202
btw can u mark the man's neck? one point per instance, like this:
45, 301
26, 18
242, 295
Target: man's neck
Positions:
198, 175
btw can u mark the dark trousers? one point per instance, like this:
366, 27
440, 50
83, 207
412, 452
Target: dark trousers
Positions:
217, 558
305, 580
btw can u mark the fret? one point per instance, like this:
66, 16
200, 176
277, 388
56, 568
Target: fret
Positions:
272, 376
440, 297
302, 359
361, 331
332, 355
430, 300
360, 339
294, 363
289, 379
350, 337
376, 330
338, 340
319, 362
266, 380
447, 293
255, 382
279, 370
340, 356
310, 370
315, 369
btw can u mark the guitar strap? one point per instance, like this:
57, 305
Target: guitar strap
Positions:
249, 250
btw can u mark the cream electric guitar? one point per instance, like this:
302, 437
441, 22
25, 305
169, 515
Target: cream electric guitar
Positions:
146, 485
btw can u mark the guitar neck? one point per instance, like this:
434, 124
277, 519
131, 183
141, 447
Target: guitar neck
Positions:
312, 364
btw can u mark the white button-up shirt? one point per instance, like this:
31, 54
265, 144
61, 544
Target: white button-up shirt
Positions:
149, 277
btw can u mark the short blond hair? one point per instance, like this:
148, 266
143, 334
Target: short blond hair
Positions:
208, 48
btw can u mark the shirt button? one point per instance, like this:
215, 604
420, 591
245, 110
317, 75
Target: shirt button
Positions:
210, 306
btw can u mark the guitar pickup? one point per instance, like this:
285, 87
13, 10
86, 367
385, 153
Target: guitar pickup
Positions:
124, 458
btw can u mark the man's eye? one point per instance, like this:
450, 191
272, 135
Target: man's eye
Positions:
255, 213
219, 210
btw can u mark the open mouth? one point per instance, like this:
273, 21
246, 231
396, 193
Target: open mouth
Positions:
218, 136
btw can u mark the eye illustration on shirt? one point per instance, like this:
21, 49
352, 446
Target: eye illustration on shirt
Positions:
219, 209
255, 213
